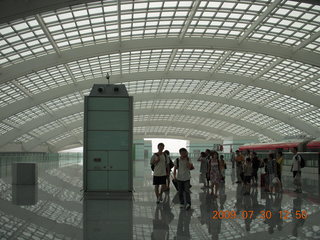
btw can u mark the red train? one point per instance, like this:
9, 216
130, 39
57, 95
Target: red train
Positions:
302, 145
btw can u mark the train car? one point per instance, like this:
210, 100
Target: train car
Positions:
313, 146
275, 146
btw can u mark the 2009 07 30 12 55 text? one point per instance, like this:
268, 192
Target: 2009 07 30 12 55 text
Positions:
299, 214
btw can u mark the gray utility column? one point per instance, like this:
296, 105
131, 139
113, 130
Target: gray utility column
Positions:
108, 128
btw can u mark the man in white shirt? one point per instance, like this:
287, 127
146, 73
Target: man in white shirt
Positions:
159, 160
296, 169
184, 165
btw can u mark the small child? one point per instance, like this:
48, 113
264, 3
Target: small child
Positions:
222, 165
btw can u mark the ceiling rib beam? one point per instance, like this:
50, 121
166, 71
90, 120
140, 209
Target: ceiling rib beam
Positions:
39, 63
260, 19
37, 99
22, 89
76, 108
29, 146
48, 35
312, 38
314, 78
187, 23
21, 105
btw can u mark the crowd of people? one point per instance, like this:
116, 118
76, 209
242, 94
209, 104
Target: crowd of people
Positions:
212, 172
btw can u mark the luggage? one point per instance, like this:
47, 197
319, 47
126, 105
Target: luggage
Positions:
263, 179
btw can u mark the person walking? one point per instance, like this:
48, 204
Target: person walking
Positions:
255, 167
183, 165
280, 161
296, 169
169, 166
239, 166
159, 164
215, 175
247, 172
223, 166
203, 169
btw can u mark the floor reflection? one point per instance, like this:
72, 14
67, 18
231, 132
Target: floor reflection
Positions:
55, 209
24, 194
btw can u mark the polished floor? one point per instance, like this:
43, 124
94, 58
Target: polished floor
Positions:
55, 209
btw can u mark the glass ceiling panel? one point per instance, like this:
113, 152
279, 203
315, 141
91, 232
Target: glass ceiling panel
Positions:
37, 132
291, 73
219, 88
95, 67
4, 128
25, 116
246, 64
23, 139
200, 105
289, 105
260, 119
45, 79
21, 40
72, 118
221, 19
229, 110
195, 59
286, 130
64, 101
10, 93
313, 87
289, 24
135, 87
146, 60
76, 131
312, 117
256, 95
239, 130
264, 139
59, 138
178, 86
216, 123
315, 45
84, 24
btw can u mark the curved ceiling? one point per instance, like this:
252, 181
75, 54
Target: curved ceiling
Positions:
201, 70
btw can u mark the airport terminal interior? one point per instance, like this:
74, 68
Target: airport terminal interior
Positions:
108, 76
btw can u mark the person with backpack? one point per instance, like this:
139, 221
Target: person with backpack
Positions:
183, 165
158, 164
297, 164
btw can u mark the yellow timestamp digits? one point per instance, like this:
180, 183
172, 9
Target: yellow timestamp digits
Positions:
299, 214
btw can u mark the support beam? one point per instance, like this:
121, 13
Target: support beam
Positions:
188, 21
47, 33
61, 130
266, 13
29, 66
65, 90
24, 104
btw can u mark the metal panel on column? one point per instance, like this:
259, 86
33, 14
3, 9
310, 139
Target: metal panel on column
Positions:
108, 127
